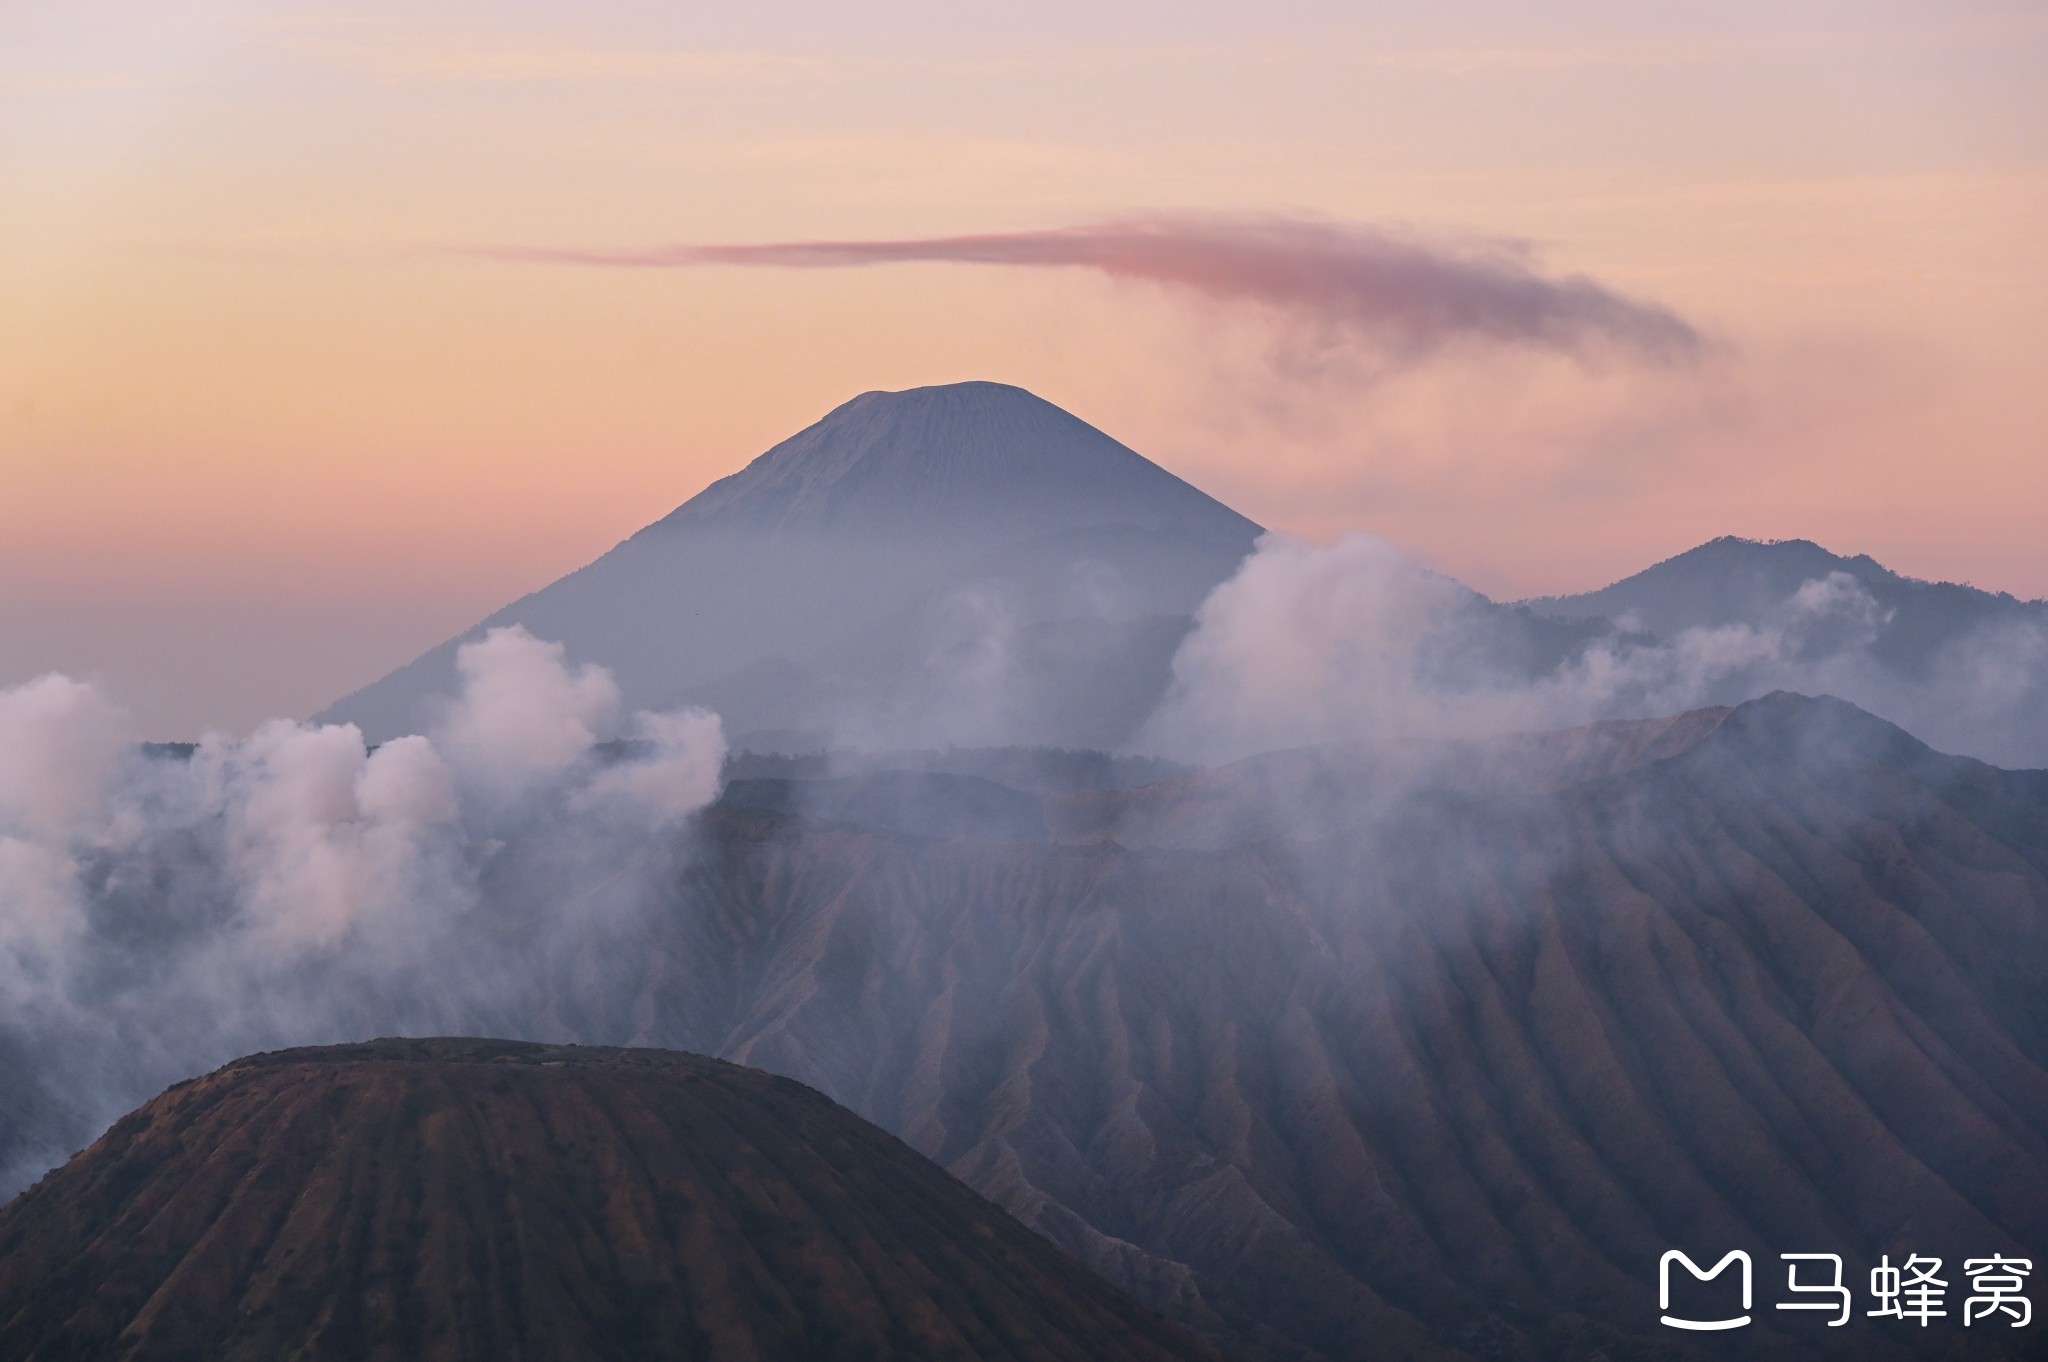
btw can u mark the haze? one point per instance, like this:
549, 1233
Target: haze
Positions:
274, 419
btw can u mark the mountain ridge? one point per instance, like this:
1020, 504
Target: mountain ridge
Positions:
1730, 579
1451, 1072
968, 564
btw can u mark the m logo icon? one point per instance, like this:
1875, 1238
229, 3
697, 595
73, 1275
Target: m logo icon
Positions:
1664, 1289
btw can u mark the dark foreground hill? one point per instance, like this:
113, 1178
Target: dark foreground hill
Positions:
464, 1199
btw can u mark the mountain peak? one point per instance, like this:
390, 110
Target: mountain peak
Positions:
1908, 627
844, 551
1732, 578
1781, 555
978, 458
969, 390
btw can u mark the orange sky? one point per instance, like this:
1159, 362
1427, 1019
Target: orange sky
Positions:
263, 437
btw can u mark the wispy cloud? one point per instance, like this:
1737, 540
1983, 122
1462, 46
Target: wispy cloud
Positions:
1398, 292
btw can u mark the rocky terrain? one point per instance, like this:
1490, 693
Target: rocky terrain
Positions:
464, 1199
1402, 1047
1336, 1058
1422, 1050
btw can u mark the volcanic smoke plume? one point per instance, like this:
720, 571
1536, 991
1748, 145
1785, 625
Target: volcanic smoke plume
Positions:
163, 912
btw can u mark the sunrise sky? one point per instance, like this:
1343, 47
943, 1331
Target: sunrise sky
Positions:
299, 373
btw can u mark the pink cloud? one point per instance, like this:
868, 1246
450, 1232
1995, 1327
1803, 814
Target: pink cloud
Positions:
1395, 292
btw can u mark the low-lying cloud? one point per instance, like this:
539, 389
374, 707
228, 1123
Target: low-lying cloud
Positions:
1397, 293
162, 913
1358, 641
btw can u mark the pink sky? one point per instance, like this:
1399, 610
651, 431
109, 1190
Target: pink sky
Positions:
266, 431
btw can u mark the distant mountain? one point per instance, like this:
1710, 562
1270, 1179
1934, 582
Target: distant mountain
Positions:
1747, 581
1963, 669
847, 579
459, 1200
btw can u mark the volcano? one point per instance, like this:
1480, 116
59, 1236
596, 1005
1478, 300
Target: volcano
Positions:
834, 584
970, 566
457, 1199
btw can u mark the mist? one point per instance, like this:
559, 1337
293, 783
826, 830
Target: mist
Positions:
163, 911
1358, 641
523, 867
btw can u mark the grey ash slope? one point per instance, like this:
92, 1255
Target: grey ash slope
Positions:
809, 590
1333, 1076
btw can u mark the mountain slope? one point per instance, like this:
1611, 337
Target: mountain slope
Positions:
1425, 1051
459, 1199
815, 588
1447, 1061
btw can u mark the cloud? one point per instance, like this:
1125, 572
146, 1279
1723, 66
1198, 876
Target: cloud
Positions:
1359, 642
1309, 644
61, 739
523, 714
329, 844
1395, 292
160, 914
61, 747
676, 774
